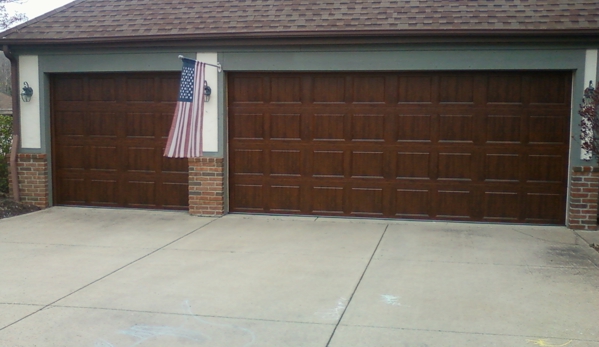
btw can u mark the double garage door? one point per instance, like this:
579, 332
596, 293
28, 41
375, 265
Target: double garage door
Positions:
480, 146
109, 132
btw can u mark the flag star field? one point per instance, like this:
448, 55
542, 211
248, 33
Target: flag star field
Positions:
187, 80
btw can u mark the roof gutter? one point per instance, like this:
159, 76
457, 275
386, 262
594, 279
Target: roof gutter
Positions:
592, 34
16, 122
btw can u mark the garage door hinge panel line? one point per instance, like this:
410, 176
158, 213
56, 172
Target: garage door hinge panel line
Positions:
185, 136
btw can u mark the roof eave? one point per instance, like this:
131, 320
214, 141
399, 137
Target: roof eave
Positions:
503, 34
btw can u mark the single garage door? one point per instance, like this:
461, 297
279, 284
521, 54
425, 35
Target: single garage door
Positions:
477, 146
109, 133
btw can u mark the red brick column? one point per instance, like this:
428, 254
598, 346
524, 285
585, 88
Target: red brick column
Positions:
33, 179
206, 186
584, 189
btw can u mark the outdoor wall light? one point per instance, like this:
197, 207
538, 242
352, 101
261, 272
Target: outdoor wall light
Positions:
588, 94
27, 92
207, 91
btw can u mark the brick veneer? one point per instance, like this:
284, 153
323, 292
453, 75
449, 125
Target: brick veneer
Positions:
33, 179
584, 189
206, 186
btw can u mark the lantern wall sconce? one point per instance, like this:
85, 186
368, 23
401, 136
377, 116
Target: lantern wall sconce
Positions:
207, 91
588, 94
27, 92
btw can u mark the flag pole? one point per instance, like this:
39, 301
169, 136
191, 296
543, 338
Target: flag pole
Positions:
218, 66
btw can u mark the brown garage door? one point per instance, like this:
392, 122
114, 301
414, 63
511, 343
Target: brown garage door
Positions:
480, 146
109, 131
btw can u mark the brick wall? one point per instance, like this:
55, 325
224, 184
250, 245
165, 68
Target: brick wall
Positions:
584, 189
206, 187
33, 179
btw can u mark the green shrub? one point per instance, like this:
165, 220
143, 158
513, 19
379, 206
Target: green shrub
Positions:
5, 143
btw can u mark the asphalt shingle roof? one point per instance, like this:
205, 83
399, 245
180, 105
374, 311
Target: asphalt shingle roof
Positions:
105, 19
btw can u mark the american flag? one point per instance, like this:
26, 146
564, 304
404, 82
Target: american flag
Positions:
185, 136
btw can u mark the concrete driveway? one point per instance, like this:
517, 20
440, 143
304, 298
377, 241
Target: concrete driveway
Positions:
123, 278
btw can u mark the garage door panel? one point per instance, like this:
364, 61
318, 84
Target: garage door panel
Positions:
102, 124
249, 162
285, 162
102, 89
140, 159
164, 124
416, 128
103, 158
503, 128
501, 206
368, 127
140, 193
285, 127
285, 198
73, 191
248, 197
547, 128
69, 124
71, 89
548, 89
413, 203
413, 165
103, 192
454, 204
456, 128
155, 107
327, 199
139, 89
415, 89
443, 145
140, 125
169, 89
545, 168
71, 157
173, 165
503, 167
367, 164
286, 89
456, 88
366, 201
115, 142
328, 127
543, 208
248, 126
504, 89
369, 89
328, 89
248, 90
455, 166
328, 164
174, 194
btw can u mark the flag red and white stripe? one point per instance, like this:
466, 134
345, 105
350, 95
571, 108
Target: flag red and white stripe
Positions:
185, 136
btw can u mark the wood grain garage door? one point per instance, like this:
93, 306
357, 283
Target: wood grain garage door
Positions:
109, 132
480, 146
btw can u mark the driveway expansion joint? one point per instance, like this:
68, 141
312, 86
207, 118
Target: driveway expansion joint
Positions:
591, 265
357, 285
468, 332
21, 304
575, 243
105, 276
189, 315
